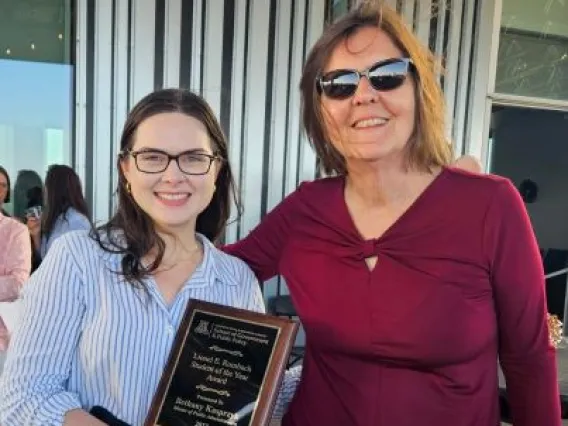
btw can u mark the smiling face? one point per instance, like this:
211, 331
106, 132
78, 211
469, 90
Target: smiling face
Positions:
371, 125
173, 199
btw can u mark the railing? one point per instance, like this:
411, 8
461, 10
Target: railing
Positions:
555, 274
565, 319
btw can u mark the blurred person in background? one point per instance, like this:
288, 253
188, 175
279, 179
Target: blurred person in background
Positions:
65, 209
25, 181
4, 190
15, 259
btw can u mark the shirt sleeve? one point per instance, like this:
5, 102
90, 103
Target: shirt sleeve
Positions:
18, 264
262, 247
33, 387
527, 358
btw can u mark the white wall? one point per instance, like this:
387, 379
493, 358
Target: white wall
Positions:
533, 144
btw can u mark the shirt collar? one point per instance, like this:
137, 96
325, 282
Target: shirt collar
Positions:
207, 272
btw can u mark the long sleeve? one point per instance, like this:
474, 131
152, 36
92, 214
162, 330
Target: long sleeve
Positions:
33, 386
262, 247
526, 356
17, 263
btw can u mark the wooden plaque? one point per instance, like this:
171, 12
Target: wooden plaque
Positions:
225, 368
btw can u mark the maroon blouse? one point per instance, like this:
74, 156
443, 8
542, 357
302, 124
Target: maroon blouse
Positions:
458, 283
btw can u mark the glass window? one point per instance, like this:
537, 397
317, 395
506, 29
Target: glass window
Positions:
36, 83
529, 147
533, 49
338, 8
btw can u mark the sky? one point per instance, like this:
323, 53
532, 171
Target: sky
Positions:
36, 94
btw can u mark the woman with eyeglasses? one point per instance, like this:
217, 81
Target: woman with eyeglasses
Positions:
101, 312
412, 279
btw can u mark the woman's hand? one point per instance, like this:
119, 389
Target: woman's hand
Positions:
34, 226
469, 163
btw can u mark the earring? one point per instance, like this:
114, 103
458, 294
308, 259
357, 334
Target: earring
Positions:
128, 188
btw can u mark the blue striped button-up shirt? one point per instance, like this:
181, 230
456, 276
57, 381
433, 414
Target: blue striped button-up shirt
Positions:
88, 338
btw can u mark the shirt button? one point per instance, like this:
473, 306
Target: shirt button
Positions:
169, 330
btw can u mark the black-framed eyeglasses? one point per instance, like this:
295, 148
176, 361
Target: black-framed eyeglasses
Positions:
384, 75
157, 161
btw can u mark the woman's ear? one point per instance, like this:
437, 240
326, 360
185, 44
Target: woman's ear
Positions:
469, 163
125, 166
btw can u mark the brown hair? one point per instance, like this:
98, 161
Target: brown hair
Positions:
63, 191
138, 235
7, 176
429, 146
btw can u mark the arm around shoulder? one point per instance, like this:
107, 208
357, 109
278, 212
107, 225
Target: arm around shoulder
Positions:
469, 163
262, 247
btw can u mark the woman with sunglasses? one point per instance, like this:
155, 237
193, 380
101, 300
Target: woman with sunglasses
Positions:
101, 312
412, 279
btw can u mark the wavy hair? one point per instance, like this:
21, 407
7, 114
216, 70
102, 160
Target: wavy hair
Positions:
62, 191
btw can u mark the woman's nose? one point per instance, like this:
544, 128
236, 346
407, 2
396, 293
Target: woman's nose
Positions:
365, 93
173, 173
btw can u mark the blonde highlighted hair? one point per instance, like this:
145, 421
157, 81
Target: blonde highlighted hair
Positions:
428, 146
